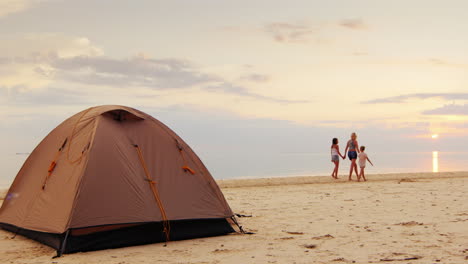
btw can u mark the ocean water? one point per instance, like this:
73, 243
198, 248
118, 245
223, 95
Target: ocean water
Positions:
260, 165
319, 164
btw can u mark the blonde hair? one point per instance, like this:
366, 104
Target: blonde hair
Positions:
353, 135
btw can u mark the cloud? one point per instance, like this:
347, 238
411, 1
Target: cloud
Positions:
77, 61
25, 65
450, 109
421, 96
156, 74
289, 32
136, 71
39, 98
230, 88
255, 77
446, 63
354, 24
304, 32
14, 6
437, 61
46, 44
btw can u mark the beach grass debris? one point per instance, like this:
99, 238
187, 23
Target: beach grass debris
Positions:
339, 260
220, 250
400, 259
410, 223
327, 236
294, 232
406, 180
309, 246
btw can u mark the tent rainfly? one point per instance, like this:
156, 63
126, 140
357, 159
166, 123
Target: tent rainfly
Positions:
112, 176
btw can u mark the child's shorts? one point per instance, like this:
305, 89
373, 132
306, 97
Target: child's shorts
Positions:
335, 158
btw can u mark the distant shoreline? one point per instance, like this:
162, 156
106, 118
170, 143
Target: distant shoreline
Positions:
298, 180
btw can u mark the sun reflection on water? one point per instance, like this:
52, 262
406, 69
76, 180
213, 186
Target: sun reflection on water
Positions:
435, 161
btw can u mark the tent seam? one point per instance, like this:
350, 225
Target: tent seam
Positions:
78, 188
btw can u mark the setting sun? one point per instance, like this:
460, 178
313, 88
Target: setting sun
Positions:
434, 136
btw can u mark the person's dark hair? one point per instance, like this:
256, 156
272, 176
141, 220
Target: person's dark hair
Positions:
335, 141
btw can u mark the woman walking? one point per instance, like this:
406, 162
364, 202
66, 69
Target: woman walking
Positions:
352, 148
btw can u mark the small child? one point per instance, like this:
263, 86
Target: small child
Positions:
362, 157
335, 157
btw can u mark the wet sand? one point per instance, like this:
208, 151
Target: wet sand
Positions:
391, 218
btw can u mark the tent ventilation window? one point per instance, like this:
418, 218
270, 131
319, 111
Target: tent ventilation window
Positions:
122, 115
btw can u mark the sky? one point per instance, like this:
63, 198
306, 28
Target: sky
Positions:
241, 81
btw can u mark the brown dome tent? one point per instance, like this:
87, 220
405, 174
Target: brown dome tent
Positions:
112, 176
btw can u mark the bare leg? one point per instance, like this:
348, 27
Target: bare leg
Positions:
362, 172
335, 170
353, 166
337, 166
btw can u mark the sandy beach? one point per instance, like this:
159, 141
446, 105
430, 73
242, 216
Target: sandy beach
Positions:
391, 218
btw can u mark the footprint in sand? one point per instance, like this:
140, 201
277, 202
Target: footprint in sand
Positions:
221, 250
410, 223
293, 232
339, 260
327, 236
286, 238
400, 257
310, 246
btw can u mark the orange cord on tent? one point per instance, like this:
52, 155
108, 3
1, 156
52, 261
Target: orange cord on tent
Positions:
166, 225
71, 139
53, 164
185, 167
50, 170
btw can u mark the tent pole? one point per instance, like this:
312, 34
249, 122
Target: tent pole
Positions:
62, 245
